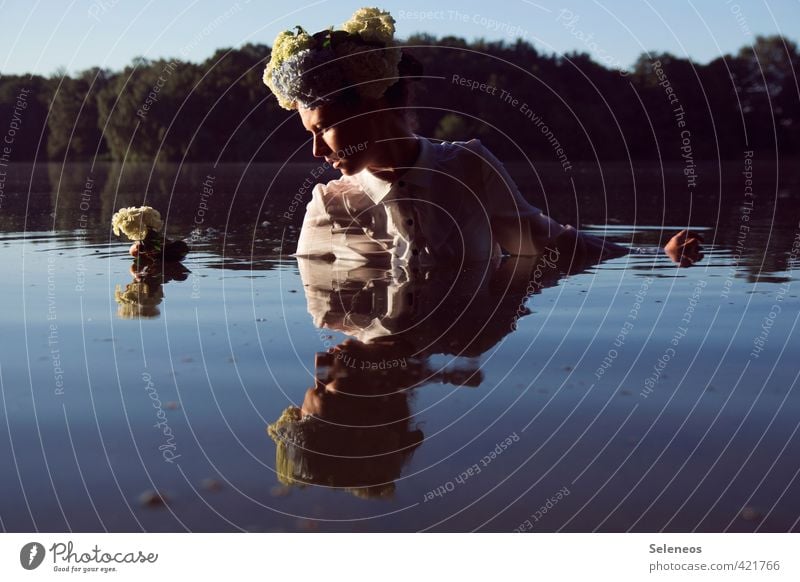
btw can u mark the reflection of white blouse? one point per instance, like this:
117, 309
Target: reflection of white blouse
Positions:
462, 311
447, 206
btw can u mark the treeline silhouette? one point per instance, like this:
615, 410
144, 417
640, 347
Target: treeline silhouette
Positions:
533, 105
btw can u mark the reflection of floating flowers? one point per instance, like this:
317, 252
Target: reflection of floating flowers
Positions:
139, 299
135, 221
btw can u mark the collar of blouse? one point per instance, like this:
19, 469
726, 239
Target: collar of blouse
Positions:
417, 175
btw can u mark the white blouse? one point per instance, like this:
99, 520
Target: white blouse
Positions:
447, 206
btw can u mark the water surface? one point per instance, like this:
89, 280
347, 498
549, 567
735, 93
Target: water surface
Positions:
629, 396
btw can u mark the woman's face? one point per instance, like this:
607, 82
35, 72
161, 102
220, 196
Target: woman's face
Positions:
343, 135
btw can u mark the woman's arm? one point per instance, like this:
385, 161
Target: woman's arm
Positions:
583, 249
525, 235
521, 229
541, 235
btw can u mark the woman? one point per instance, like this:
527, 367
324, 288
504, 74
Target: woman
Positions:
402, 197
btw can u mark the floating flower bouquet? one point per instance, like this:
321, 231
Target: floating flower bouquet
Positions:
142, 224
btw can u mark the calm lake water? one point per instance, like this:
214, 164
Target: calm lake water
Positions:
631, 396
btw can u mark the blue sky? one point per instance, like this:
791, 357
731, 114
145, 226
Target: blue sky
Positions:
42, 35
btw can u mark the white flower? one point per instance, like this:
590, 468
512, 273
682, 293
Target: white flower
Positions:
135, 221
371, 24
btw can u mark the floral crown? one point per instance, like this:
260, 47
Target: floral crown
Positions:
309, 70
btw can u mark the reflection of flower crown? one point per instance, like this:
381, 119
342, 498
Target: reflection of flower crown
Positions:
363, 461
310, 70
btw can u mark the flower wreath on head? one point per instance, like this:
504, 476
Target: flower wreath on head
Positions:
310, 70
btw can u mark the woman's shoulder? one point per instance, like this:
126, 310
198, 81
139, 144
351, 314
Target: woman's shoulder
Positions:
456, 150
466, 156
470, 159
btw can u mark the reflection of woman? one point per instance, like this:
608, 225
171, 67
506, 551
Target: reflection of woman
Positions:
461, 312
401, 197
354, 429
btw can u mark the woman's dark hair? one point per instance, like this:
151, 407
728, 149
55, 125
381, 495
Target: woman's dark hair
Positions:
402, 93
409, 71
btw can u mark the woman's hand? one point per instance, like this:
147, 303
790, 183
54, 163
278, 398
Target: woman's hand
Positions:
684, 248
140, 251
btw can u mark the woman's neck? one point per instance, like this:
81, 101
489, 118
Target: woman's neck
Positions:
397, 155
